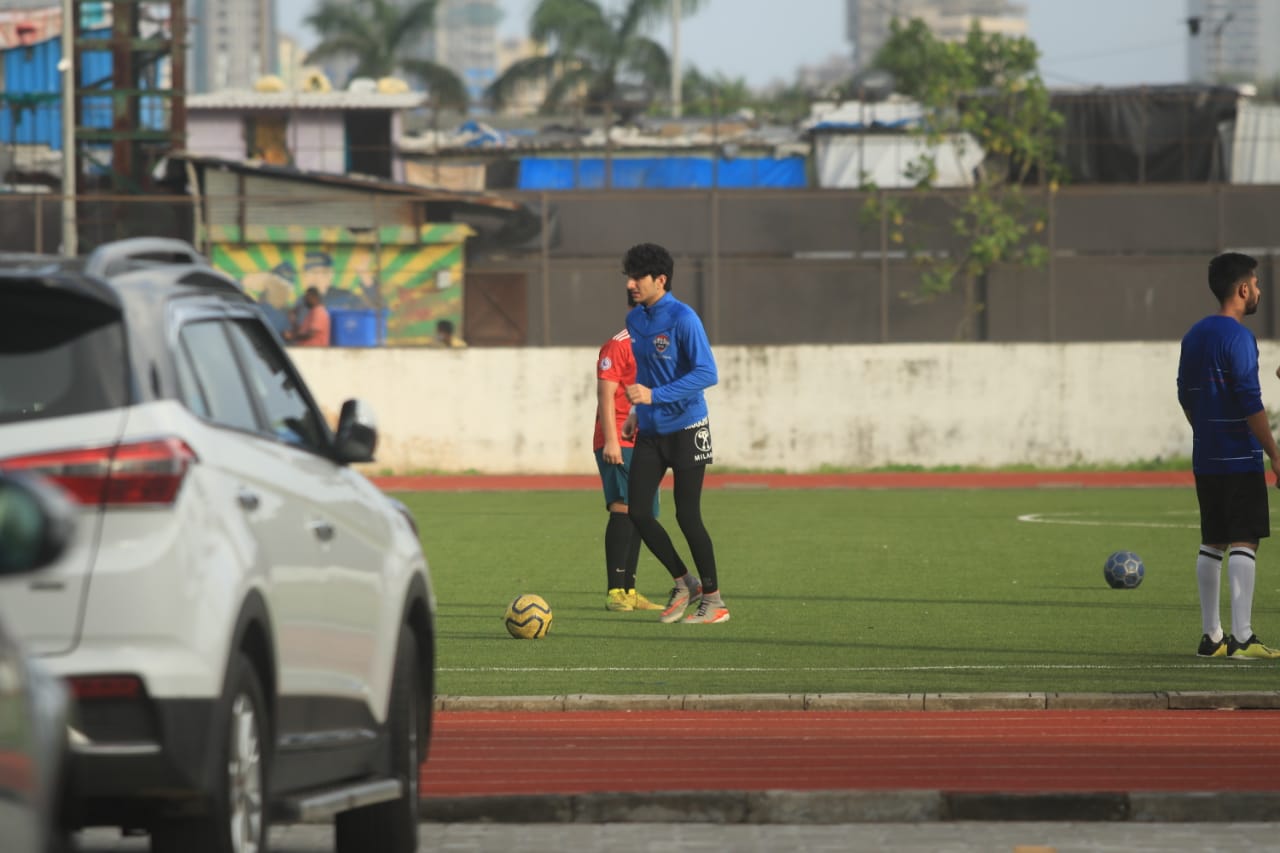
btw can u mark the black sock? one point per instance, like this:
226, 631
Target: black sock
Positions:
618, 534
633, 554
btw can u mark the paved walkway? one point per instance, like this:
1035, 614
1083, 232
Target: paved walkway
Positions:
685, 837
857, 758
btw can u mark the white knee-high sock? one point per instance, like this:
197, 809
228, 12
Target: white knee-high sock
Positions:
1209, 577
1242, 569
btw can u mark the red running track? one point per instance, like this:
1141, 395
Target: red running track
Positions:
1014, 752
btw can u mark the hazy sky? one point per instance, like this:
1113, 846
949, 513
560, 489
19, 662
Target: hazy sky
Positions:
1083, 42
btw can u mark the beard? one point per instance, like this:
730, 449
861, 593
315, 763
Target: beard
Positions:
1252, 307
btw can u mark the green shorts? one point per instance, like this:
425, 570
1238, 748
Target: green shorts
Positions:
614, 479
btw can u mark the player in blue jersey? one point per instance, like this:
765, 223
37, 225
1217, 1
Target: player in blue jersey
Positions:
674, 366
1220, 394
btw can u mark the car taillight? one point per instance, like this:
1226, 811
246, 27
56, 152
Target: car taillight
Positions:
137, 474
105, 686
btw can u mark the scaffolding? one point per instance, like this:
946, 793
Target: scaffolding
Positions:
129, 66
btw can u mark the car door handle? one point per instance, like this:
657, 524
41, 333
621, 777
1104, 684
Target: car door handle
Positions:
248, 499
322, 529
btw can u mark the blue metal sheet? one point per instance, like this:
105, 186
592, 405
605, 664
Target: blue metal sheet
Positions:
33, 94
562, 173
95, 70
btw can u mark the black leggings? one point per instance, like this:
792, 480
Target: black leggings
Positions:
647, 470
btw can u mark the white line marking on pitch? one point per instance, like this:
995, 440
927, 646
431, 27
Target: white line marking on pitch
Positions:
940, 668
1060, 518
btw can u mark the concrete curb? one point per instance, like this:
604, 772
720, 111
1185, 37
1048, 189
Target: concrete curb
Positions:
1172, 701
835, 807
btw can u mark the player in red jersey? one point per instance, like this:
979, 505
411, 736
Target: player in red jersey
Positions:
615, 369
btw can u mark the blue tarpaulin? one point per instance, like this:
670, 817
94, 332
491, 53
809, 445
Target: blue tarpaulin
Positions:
33, 93
654, 173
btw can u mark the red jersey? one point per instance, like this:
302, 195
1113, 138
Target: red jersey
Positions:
616, 364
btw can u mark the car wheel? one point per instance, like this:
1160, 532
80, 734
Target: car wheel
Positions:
237, 822
392, 827
60, 823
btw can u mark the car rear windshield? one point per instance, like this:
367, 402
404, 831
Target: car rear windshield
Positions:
61, 353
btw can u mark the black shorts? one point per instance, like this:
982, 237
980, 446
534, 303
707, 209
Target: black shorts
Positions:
686, 448
1233, 508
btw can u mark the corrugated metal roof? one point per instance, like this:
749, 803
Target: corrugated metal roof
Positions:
240, 99
283, 173
498, 221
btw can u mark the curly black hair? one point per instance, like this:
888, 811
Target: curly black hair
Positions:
648, 259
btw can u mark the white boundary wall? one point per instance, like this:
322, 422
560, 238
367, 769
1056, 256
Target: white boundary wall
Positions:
790, 408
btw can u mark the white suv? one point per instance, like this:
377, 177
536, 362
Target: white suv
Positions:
245, 622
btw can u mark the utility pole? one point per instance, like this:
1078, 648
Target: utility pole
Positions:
1195, 24
1217, 46
676, 76
70, 158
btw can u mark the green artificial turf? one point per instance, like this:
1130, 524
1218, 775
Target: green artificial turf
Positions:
834, 591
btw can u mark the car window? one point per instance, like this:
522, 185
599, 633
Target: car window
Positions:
60, 354
209, 375
290, 415
190, 387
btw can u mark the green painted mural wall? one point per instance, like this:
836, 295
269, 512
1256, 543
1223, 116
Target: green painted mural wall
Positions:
415, 275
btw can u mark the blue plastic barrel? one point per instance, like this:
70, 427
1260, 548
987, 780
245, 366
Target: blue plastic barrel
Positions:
356, 328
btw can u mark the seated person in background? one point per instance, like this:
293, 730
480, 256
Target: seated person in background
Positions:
445, 336
312, 327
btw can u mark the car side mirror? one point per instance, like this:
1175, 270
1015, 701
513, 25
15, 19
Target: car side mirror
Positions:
357, 435
36, 523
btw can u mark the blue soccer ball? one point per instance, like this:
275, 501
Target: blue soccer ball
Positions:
1123, 570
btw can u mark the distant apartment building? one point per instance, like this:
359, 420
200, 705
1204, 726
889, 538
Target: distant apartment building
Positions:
290, 58
825, 76
233, 43
868, 21
465, 39
1233, 41
529, 96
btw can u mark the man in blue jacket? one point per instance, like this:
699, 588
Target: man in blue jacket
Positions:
1219, 392
674, 366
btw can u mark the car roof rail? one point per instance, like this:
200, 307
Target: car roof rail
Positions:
137, 253
212, 279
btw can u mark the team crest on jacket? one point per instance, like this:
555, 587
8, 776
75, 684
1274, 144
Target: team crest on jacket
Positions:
661, 342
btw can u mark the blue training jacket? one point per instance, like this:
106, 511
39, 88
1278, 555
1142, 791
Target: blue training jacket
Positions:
674, 360
1218, 385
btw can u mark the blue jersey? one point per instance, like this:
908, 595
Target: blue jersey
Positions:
673, 359
1218, 387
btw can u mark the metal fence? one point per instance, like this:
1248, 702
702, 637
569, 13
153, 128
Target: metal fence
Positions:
773, 267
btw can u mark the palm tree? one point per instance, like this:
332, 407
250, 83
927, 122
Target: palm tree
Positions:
718, 94
378, 35
593, 52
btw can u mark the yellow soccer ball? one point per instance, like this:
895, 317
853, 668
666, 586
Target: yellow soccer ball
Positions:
528, 617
